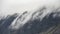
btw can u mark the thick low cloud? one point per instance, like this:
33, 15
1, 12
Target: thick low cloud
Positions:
18, 6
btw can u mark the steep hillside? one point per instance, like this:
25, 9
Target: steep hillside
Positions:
43, 21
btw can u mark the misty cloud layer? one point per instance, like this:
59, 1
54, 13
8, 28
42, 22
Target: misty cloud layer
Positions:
18, 6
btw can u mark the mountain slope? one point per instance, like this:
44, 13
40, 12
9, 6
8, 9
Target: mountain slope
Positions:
42, 21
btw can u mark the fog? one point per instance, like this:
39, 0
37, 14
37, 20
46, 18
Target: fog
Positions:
19, 6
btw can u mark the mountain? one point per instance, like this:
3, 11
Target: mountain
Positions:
42, 21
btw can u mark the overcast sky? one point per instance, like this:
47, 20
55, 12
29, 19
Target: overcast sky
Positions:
18, 6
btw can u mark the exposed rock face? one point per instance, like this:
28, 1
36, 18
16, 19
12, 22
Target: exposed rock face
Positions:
42, 21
